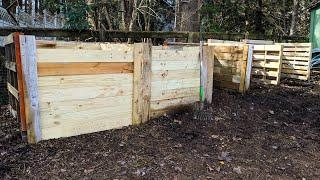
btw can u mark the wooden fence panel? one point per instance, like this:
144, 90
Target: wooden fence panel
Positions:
296, 60
84, 88
267, 61
175, 78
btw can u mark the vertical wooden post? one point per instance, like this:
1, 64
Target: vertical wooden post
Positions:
207, 75
249, 67
309, 65
141, 83
30, 84
244, 61
280, 65
20, 84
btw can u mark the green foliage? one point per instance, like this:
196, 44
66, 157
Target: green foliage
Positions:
77, 15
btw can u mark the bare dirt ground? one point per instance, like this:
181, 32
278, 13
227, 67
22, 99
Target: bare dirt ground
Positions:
269, 133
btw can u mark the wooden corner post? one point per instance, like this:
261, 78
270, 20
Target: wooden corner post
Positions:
30, 84
207, 73
243, 75
141, 83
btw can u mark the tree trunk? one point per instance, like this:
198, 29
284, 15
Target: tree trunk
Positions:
293, 27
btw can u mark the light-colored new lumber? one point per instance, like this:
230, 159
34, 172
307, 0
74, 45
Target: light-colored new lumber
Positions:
81, 87
242, 86
175, 55
175, 84
208, 59
13, 91
83, 55
175, 74
141, 82
175, 65
30, 83
61, 69
164, 94
165, 104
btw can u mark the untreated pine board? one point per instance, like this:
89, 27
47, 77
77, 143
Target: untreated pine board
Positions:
13, 91
83, 55
60, 69
175, 74
63, 88
292, 71
175, 55
175, 84
141, 82
163, 94
30, 83
262, 72
226, 78
229, 56
208, 61
175, 65
70, 118
170, 103
242, 86
227, 85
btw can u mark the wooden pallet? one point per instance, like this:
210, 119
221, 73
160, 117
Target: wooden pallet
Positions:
296, 60
266, 67
230, 66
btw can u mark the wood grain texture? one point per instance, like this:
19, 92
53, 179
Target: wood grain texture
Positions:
83, 55
242, 86
13, 91
208, 58
30, 83
23, 121
141, 82
165, 104
60, 69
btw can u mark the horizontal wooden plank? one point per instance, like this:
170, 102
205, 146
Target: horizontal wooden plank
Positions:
304, 63
13, 91
297, 67
65, 88
292, 71
164, 94
293, 49
267, 48
294, 76
296, 58
229, 56
223, 48
83, 55
175, 55
297, 54
70, 118
175, 65
256, 71
164, 104
226, 70
267, 57
174, 84
61, 69
10, 65
85, 80
44, 44
175, 74
274, 65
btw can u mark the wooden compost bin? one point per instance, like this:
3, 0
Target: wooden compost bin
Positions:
231, 65
73, 88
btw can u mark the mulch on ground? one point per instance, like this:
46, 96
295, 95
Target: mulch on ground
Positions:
270, 132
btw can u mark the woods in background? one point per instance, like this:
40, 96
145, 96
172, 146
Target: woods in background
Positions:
269, 17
